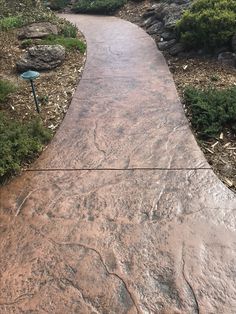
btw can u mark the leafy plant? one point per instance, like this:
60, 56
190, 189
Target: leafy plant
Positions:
208, 24
58, 4
212, 110
68, 43
67, 29
19, 143
26, 43
11, 22
6, 88
98, 6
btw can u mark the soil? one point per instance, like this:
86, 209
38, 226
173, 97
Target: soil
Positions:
54, 88
199, 72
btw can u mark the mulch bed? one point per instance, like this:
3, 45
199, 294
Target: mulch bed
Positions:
54, 88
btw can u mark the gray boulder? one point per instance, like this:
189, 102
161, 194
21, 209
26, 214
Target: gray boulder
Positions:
227, 58
38, 30
168, 35
42, 57
164, 45
149, 21
172, 14
155, 28
167, 12
160, 9
148, 13
176, 49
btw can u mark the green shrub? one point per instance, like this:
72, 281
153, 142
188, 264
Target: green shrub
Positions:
68, 43
19, 143
98, 6
6, 88
11, 22
57, 4
208, 24
212, 110
26, 43
67, 29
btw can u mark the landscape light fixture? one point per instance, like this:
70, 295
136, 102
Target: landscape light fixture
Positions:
30, 76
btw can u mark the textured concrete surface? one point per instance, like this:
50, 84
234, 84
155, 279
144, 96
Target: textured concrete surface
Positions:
121, 213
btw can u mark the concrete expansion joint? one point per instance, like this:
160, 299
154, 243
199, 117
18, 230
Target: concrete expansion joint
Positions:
116, 169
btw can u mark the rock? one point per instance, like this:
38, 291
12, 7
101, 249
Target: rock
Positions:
160, 10
172, 14
228, 58
164, 45
155, 28
150, 21
148, 13
176, 49
217, 51
42, 57
168, 35
167, 12
233, 43
38, 30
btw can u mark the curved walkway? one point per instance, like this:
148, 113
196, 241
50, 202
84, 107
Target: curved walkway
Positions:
122, 213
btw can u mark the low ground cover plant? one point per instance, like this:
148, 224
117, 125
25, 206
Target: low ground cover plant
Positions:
19, 142
98, 6
68, 43
57, 4
66, 29
212, 110
208, 24
9, 22
6, 88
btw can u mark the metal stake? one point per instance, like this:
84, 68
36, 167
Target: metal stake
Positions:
35, 97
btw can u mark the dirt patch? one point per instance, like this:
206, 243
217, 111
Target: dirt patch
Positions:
199, 72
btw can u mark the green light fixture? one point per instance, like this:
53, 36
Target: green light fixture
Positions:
30, 76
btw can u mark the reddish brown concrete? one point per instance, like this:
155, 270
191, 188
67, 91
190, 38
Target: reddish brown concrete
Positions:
156, 235
126, 112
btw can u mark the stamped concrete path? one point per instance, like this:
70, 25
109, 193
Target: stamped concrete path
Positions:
121, 213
